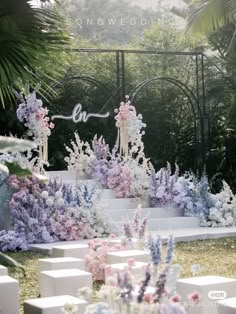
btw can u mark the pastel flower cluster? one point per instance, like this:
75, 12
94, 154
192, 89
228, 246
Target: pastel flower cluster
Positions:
126, 117
135, 228
123, 296
34, 116
96, 259
223, 212
12, 241
55, 212
81, 156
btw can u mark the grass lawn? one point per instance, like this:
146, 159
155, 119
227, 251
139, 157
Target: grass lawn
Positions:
216, 257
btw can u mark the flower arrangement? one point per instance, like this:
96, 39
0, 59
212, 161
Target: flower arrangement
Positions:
163, 186
81, 156
194, 196
127, 298
12, 241
129, 126
135, 228
96, 260
34, 116
46, 213
223, 211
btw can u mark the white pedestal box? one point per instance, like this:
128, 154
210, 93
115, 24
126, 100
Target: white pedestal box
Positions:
71, 250
53, 305
9, 295
227, 306
60, 263
63, 282
137, 270
3, 271
123, 256
210, 288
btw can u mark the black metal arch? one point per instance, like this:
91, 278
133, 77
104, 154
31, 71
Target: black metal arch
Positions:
195, 97
196, 109
90, 80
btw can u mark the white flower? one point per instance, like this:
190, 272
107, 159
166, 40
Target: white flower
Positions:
230, 220
49, 202
85, 293
58, 194
70, 308
60, 201
44, 194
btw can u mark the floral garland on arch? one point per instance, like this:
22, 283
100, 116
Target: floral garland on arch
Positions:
34, 116
129, 126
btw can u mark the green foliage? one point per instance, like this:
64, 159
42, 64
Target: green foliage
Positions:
13, 145
27, 36
15, 169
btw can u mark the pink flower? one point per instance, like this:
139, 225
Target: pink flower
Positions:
51, 125
109, 270
148, 298
131, 262
117, 247
195, 297
175, 298
112, 236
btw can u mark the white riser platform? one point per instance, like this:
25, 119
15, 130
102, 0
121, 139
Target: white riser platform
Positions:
172, 223
150, 212
106, 193
123, 203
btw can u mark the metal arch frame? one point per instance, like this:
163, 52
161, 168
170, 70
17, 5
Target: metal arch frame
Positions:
182, 87
87, 79
201, 118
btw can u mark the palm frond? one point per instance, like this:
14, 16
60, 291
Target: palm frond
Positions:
231, 6
28, 35
208, 16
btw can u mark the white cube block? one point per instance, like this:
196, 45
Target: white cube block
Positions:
63, 282
9, 295
60, 263
137, 270
71, 250
227, 306
3, 271
53, 305
211, 289
123, 256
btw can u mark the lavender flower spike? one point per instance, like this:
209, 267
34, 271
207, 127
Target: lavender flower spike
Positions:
155, 247
170, 250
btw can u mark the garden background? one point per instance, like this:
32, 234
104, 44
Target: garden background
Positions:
170, 135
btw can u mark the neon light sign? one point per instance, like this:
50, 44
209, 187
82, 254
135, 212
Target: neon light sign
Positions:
80, 116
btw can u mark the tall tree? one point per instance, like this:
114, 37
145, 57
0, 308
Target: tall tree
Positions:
28, 34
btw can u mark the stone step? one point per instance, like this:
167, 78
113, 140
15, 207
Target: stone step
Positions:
53, 305
124, 256
9, 295
210, 288
70, 250
150, 212
107, 193
121, 203
171, 223
226, 306
66, 175
63, 282
3, 271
